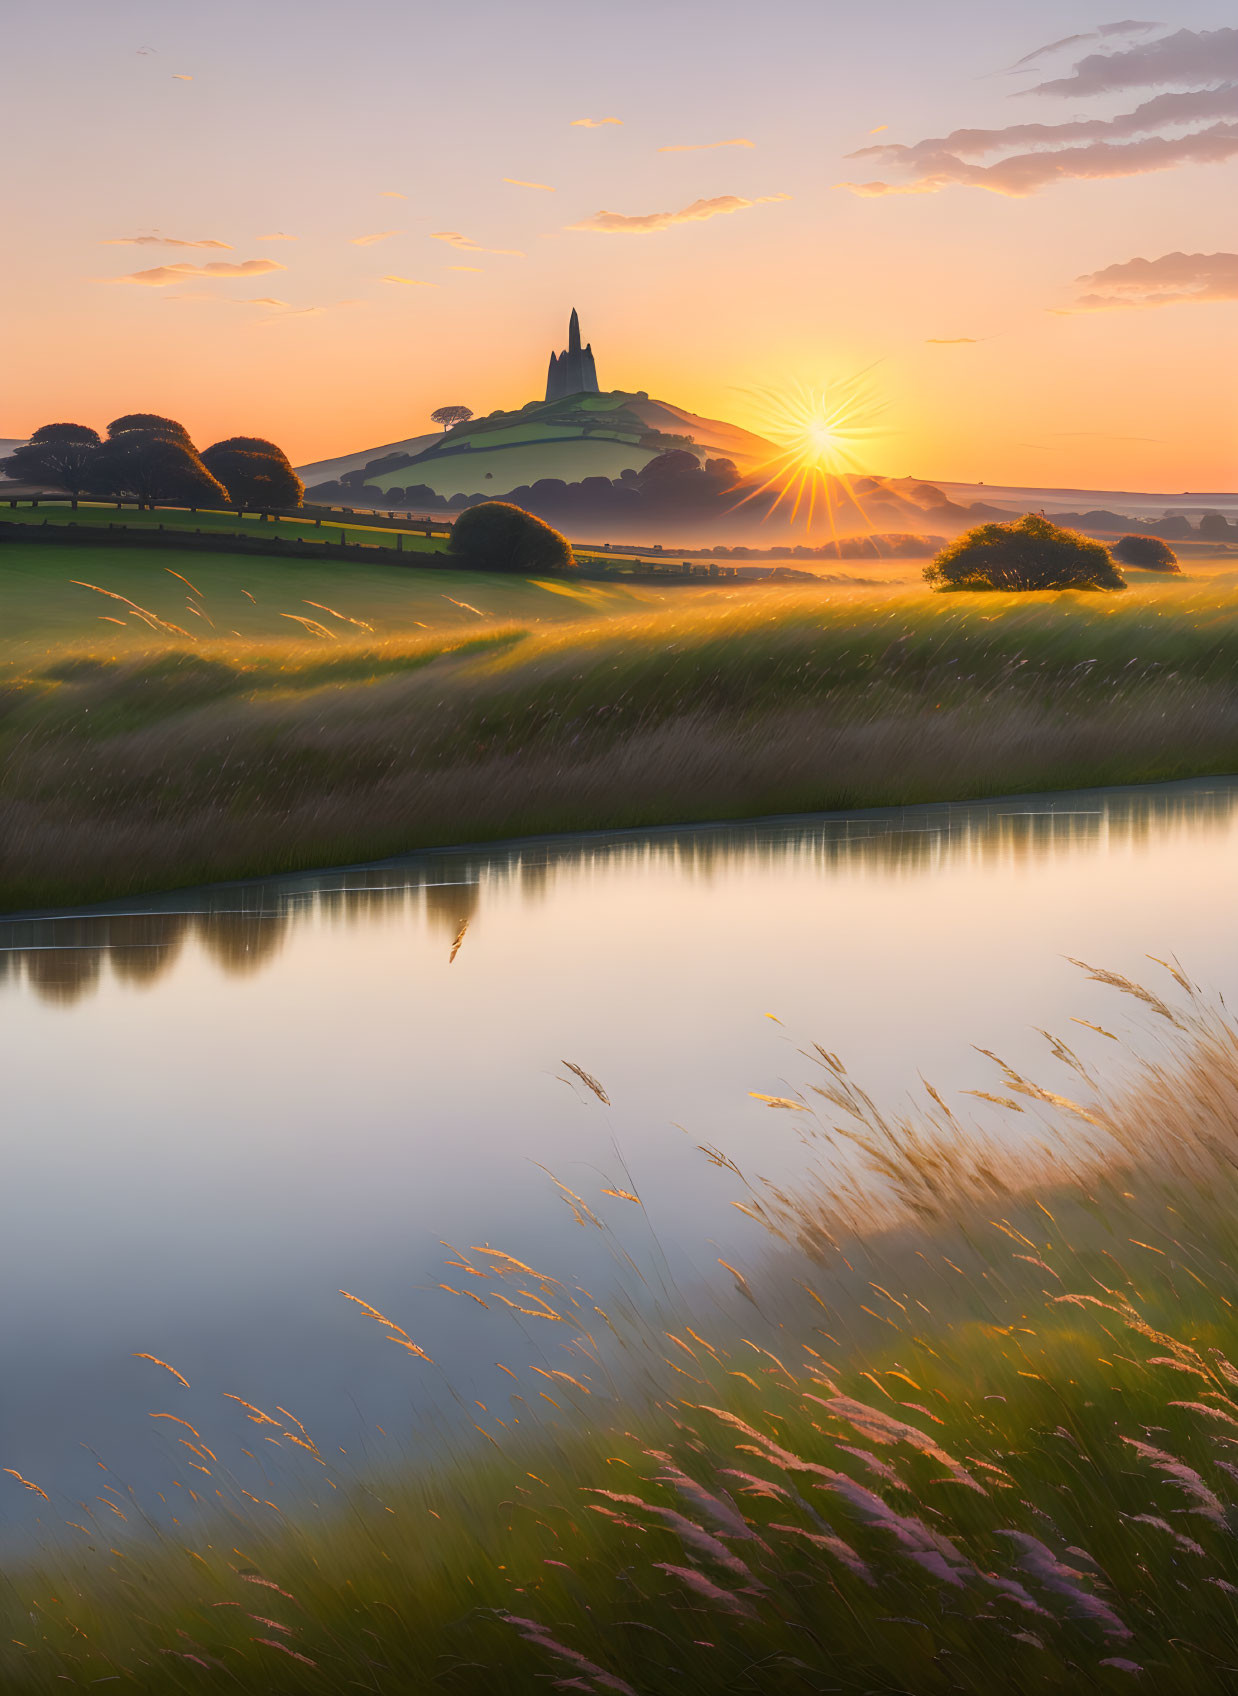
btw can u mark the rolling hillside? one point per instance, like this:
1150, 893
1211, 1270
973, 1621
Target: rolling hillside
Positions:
580, 436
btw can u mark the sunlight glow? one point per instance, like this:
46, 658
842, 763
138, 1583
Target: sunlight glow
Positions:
818, 434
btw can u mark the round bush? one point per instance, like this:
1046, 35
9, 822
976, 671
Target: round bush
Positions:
496, 536
1146, 551
1029, 554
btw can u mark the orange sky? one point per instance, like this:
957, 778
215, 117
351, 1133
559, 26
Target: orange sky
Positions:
236, 124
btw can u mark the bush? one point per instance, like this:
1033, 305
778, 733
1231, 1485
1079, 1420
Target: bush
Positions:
1031, 553
496, 536
1146, 551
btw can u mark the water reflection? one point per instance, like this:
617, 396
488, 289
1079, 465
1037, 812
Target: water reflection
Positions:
242, 928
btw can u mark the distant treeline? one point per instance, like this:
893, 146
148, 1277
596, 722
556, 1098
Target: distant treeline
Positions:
676, 493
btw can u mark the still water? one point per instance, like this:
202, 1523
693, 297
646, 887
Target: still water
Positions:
223, 1107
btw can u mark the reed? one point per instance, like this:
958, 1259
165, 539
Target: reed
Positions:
195, 761
994, 1442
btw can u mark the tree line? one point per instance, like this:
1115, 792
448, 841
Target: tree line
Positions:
150, 459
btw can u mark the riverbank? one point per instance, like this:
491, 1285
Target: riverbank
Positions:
192, 762
991, 1440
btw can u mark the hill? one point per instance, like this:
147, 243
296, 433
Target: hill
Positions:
580, 436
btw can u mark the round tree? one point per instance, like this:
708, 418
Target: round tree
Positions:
449, 415
1031, 553
496, 536
149, 424
59, 454
1148, 552
255, 472
1215, 527
154, 468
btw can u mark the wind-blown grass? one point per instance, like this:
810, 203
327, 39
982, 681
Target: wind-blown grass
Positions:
994, 1443
213, 759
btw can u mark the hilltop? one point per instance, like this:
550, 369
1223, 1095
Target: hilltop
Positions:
578, 436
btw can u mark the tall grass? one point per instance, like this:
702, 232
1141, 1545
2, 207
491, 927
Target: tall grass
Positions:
993, 1444
219, 759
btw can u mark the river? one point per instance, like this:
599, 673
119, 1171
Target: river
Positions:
224, 1106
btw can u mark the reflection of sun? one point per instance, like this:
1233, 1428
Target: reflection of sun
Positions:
817, 434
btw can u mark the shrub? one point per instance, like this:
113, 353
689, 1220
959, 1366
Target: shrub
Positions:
496, 536
1146, 551
1031, 553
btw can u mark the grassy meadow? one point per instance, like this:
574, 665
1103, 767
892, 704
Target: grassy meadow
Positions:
990, 1442
271, 715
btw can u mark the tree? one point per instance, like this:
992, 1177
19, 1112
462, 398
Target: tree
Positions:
254, 471
496, 536
149, 424
1215, 527
1146, 551
1031, 553
449, 415
152, 468
59, 454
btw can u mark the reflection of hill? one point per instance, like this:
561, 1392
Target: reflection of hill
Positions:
243, 929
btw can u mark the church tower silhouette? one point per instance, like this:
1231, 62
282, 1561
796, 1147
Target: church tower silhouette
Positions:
572, 372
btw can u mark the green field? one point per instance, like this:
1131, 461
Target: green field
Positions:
979, 1439
572, 459
489, 707
43, 610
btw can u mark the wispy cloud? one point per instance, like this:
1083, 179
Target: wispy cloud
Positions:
179, 76
1173, 61
278, 236
216, 271
368, 241
952, 341
464, 267
706, 146
1176, 279
262, 300
162, 241
392, 194
466, 244
1197, 126
411, 282
519, 182
301, 312
648, 223
593, 123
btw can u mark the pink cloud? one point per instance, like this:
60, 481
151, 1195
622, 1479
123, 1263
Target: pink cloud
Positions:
1178, 60
1175, 279
706, 146
647, 223
162, 241
466, 244
217, 271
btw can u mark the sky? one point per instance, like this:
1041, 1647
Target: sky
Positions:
402, 203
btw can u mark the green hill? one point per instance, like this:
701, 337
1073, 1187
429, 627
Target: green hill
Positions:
580, 436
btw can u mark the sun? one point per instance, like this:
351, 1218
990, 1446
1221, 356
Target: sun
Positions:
818, 435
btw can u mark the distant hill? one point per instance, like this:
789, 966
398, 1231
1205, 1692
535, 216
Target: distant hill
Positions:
571, 439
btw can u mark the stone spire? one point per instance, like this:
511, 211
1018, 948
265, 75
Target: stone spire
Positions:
572, 372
